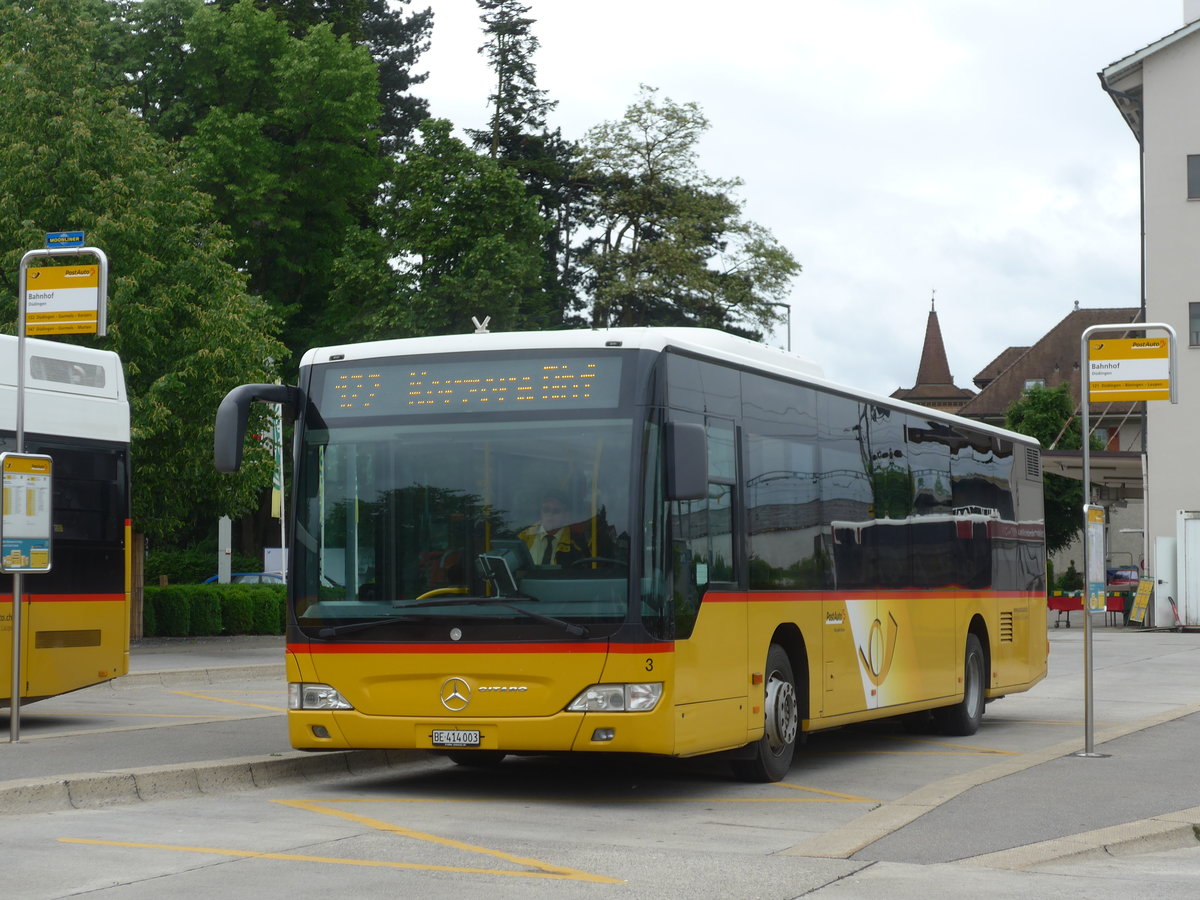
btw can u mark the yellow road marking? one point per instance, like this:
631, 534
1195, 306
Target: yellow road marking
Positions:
833, 796
294, 857
919, 753
126, 715
281, 709
838, 798
545, 869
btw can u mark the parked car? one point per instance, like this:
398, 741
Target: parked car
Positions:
250, 578
1123, 578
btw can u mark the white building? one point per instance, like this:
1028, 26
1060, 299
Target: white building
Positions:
1155, 90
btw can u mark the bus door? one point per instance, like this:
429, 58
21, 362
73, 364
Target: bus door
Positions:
712, 683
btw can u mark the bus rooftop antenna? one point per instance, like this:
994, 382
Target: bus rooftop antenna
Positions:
481, 327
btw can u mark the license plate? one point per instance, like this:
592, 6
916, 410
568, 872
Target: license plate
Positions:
459, 738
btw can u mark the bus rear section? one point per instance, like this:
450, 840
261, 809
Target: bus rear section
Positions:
74, 618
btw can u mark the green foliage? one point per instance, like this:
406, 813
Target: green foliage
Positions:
517, 137
1048, 414
1071, 580
471, 239
149, 618
172, 611
237, 611
395, 41
192, 565
178, 313
518, 105
670, 246
281, 131
205, 615
212, 609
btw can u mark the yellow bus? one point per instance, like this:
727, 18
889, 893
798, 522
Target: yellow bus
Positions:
661, 541
74, 618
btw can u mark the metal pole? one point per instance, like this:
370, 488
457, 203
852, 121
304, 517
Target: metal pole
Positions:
14, 703
788, 307
14, 721
1084, 404
1085, 424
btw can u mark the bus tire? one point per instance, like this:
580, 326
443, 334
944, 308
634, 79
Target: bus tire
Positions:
773, 752
963, 718
476, 759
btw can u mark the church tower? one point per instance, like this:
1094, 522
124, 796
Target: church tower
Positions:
935, 386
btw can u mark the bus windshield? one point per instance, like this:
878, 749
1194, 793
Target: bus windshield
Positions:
489, 530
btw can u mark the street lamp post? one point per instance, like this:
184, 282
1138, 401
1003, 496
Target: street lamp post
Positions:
788, 307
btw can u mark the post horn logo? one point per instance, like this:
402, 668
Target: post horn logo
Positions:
456, 694
877, 658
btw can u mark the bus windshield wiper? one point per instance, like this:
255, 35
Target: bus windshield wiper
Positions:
568, 627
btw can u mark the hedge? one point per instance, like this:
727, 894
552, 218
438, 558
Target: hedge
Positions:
191, 566
184, 610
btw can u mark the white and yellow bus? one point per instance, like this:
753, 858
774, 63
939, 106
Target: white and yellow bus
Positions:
74, 618
744, 552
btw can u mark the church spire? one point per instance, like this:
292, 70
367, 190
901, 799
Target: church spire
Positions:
934, 367
935, 385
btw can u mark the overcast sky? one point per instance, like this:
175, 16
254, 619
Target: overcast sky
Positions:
895, 147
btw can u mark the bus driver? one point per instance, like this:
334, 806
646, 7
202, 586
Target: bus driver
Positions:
553, 540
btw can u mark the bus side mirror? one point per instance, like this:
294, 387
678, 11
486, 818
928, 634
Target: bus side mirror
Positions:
687, 461
233, 414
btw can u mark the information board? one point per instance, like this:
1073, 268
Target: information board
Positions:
62, 300
1141, 601
25, 527
1129, 369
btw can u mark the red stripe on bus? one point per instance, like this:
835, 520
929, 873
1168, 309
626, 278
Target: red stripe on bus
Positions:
67, 598
458, 648
847, 596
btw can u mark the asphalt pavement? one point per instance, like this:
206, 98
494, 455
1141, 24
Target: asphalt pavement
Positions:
220, 724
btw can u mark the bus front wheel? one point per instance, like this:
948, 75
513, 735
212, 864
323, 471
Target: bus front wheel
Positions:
773, 752
963, 718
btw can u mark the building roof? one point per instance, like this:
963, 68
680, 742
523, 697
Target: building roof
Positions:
1054, 359
934, 381
989, 372
1123, 78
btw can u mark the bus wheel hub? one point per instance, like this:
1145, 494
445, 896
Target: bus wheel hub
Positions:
782, 715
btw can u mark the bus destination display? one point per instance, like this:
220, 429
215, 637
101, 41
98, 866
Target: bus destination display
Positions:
397, 387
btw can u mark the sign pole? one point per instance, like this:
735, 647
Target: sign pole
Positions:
1130, 370
62, 244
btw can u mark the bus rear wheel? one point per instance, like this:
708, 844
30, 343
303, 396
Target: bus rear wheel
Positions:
773, 752
963, 718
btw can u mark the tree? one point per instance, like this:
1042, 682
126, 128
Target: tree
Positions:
1048, 414
669, 244
517, 137
519, 107
395, 42
179, 315
281, 131
468, 240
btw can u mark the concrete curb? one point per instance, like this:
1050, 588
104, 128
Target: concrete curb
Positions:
846, 840
87, 791
207, 675
1173, 831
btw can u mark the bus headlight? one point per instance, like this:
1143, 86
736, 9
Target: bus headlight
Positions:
618, 698
315, 696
